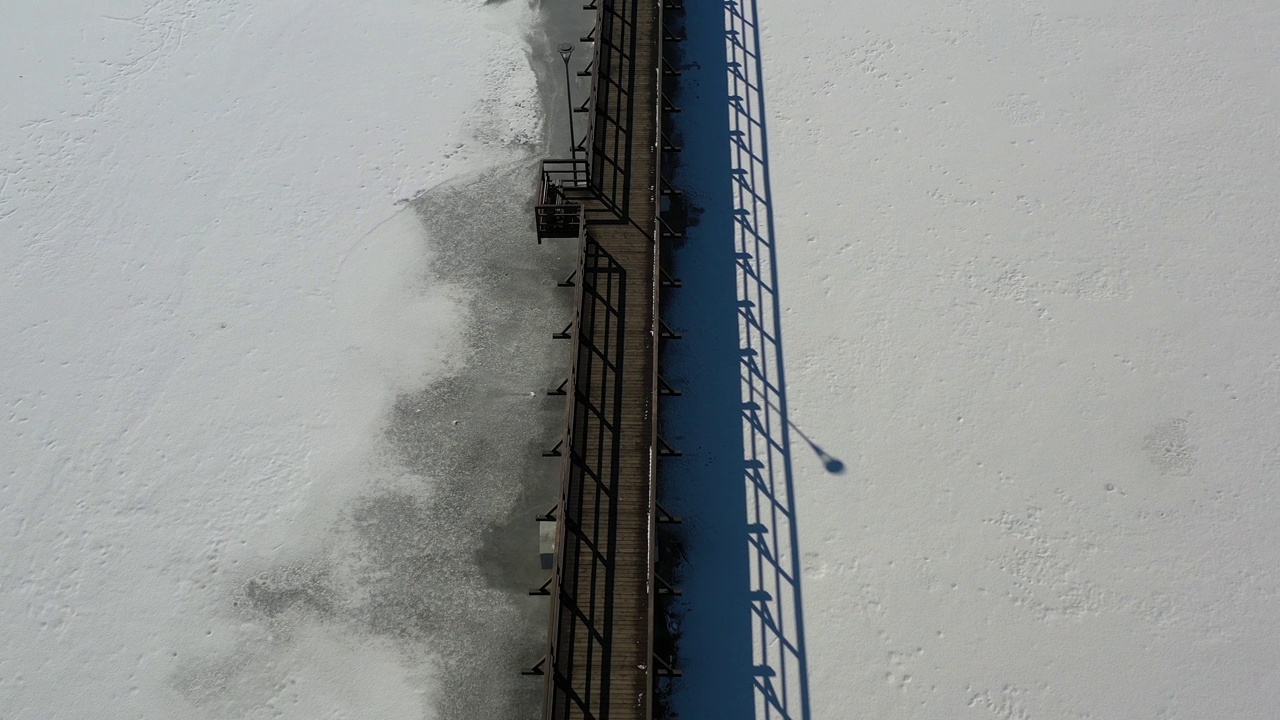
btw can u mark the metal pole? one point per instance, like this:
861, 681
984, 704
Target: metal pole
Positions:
566, 49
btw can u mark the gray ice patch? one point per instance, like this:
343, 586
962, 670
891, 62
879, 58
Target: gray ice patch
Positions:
1169, 450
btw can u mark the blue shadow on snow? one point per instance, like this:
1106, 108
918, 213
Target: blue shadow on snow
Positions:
739, 623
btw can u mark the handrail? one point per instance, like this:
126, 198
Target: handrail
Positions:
555, 212
655, 390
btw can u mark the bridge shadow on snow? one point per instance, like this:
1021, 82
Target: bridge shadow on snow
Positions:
739, 626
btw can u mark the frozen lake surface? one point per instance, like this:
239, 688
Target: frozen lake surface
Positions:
270, 386
1023, 262
252, 342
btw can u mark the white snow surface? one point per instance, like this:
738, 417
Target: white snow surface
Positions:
211, 294
1031, 299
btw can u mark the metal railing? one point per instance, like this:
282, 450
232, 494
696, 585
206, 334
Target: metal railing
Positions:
655, 389
560, 212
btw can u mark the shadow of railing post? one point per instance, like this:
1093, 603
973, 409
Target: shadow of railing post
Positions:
781, 679
742, 638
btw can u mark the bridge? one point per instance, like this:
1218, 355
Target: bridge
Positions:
604, 656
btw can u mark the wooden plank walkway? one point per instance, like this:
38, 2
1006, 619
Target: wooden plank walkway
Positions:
600, 644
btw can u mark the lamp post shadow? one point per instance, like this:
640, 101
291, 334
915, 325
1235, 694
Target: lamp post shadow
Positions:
833, 465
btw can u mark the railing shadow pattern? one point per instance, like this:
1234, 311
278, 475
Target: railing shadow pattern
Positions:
781, 673
587, 529
742, 640
612, 105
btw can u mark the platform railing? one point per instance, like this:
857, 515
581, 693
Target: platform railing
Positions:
655, 391
560, 211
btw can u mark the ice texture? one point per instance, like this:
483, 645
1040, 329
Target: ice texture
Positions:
1027, 285
1028, 270
216, 284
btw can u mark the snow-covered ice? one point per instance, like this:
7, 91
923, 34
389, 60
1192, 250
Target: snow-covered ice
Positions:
216, 284
1027, 285
1020, 463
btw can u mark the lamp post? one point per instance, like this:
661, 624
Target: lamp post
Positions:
566, 50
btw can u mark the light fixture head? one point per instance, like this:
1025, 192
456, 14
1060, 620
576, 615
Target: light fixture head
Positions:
566, 49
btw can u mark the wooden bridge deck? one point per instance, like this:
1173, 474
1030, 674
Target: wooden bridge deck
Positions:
600, 648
